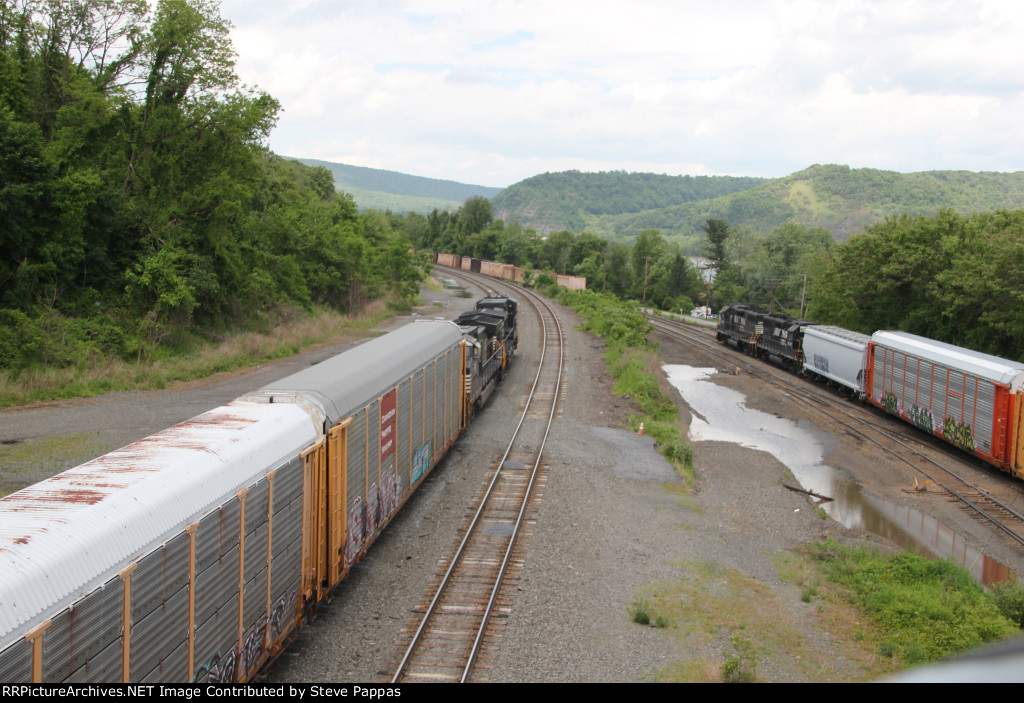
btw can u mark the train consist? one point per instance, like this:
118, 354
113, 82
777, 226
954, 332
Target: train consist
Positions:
507, 272
193, 554
972, 400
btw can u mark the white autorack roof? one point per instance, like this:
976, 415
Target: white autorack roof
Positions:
986, 366
62, 537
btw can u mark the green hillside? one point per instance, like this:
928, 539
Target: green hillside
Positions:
574, 200
838, 198
399, 192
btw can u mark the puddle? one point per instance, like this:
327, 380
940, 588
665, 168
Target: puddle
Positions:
720, 414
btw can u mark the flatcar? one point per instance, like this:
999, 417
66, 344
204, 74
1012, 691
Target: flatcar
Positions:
194, 554
972, 400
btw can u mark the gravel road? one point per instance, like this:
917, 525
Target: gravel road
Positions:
613, 529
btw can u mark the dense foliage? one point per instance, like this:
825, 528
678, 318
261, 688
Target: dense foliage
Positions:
955, 278
137, 199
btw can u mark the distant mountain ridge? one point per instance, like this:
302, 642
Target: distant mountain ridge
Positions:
574, 200
620, 205
399, 192
836, 197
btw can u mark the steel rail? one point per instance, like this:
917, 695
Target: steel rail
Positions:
522, 510
471, 528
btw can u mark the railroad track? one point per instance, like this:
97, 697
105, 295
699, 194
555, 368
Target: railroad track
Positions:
457, 619
934, 460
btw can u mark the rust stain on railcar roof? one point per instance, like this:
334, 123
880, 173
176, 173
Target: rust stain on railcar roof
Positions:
183, 436
34, 497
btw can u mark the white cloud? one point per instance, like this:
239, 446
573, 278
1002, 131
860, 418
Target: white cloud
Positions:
493, 92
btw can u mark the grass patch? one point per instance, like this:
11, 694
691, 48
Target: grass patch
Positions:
721, 610
28, 461
192, 358
643, 613
924, 609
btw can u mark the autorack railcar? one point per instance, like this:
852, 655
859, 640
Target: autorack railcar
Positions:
970, 399
193, 554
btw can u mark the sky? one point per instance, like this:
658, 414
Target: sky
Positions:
491, 93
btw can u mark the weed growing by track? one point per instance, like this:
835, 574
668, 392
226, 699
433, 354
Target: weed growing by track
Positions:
633, 363
925, 609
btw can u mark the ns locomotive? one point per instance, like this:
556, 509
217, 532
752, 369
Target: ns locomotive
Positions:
193, 554
972, 400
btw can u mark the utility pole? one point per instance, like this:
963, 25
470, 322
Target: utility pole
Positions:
645, 279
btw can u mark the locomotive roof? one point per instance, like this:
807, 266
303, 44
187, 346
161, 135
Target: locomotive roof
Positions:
350, 380
992, 368
497, 301
64, 536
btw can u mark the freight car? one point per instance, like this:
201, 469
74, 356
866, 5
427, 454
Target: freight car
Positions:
837, 355
972, 400
193, 554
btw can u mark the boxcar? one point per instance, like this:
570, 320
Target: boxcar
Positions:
970, 399
193, 553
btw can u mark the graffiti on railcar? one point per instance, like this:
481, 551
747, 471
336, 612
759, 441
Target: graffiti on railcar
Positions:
388, 493
354, 542
922, 417
223, 668
959, 433
219, 669
890, 403
372, 509
420, 461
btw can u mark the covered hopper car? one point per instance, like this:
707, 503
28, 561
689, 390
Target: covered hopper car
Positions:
193, 554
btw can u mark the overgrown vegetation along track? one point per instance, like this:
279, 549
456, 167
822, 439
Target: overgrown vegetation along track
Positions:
457, 611
888, 436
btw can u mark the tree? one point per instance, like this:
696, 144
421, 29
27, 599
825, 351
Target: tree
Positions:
717, 232
648, 250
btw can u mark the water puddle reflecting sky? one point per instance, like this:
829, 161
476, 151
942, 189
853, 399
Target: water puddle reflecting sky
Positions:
720, 414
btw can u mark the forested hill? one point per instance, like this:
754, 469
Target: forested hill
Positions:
838, 198
400, 192
575, 200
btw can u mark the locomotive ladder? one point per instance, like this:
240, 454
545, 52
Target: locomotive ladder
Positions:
445, 645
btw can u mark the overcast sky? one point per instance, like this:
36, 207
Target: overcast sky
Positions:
491, 93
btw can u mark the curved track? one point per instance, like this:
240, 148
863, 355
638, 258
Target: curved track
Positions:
456, 623
890, 436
